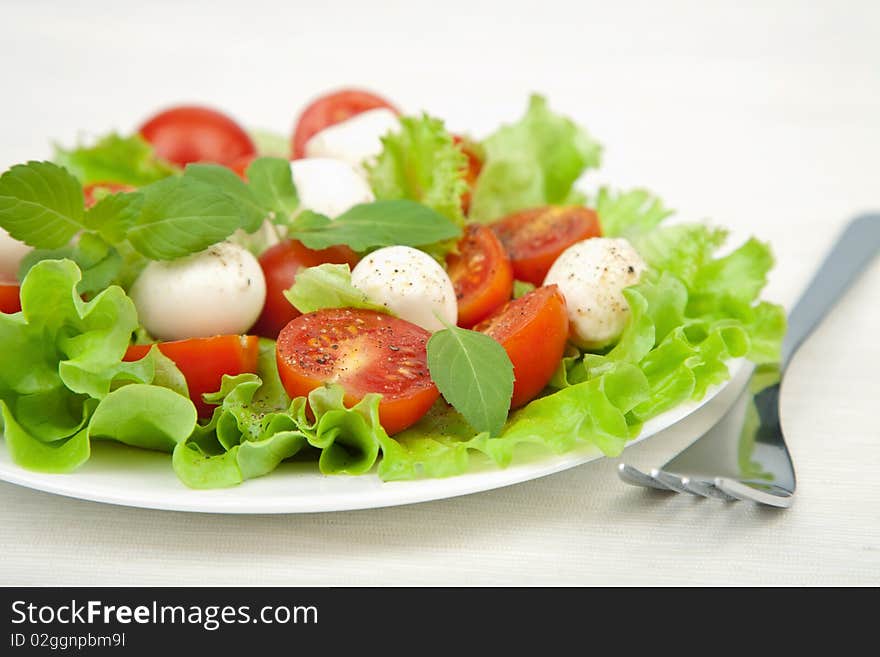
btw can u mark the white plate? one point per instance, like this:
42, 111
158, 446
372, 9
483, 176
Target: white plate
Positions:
117, 474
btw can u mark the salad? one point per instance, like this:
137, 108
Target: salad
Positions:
375, 294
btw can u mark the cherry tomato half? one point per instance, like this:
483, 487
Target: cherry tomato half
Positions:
481, 275
471, 173
197, 134
331, 109
10, 298
204, 361
533, 331
534, 238
94, 192
281, 263
364, 351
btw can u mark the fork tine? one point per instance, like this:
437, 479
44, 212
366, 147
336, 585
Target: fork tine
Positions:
706, 489
745, 492
636, 477
674, 482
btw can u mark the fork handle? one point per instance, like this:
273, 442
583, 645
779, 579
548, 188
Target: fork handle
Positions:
854, 249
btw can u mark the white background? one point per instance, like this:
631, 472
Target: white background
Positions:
763, 116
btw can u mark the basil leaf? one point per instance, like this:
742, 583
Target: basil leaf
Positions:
271, 181
369, 225
474, 374
327, 286
41, 204
113, 215
225, 181
181, 216
127, 160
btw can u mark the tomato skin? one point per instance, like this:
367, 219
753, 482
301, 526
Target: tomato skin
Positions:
91, 191
534, 238
280, 264
533, 331
10, 298
471, 173
240, 165
364, 351
331, 109
190, 133
204, 361
481, 274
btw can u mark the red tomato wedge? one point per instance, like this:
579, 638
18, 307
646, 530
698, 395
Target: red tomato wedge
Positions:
533, 331
10, 298
481, 275
363, 351
280, 264
94, 192
204, 361
534, 238
471, 173
197, 134
331, 109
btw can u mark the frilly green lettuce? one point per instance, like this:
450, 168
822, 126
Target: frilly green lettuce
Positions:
421, 163
533, 162
63, 381
256, 426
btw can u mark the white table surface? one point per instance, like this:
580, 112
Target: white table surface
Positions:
764, 116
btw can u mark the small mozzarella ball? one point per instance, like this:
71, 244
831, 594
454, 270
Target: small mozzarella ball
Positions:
329, 187
216, 292
591, 276
408, 282
354, 140
11, 253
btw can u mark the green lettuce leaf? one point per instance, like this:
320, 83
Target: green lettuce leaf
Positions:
256, 426
680, 249
531, 163
117, 159
630, 213
270, 144
593, 413
63, 379
421, 163
327, 286
147, 416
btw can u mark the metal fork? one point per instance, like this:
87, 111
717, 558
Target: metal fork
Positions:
744, 456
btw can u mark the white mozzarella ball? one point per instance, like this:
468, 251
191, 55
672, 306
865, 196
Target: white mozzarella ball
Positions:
591, 276
354, 140
216, 292
11, 253
408, 282
329, 187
